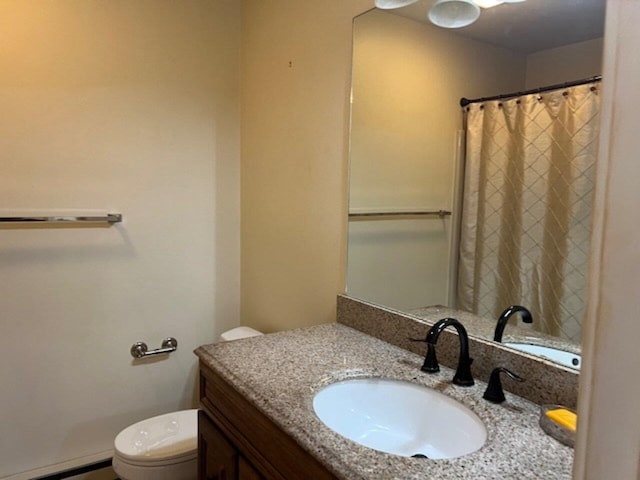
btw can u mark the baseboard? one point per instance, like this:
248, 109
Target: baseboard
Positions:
50, 471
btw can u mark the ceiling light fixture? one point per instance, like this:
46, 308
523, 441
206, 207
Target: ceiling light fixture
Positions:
488, 3
494, 3
454, 13
449, 13
460, 13
391, 4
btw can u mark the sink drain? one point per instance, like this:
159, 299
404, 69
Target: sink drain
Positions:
419, 455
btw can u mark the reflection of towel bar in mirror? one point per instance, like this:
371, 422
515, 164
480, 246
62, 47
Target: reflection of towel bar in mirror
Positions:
109, 218
408, 213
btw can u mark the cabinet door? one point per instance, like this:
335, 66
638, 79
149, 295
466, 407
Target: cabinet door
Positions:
217, 458
246, 471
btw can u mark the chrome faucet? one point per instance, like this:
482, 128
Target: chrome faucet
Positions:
463, 375
502, 320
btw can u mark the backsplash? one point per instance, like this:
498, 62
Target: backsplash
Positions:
546, 382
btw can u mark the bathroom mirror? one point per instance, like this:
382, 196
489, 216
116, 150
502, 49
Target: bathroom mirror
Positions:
411, 163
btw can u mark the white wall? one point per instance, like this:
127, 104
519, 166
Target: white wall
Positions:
608, 422
408, 79
564, 64
130, 107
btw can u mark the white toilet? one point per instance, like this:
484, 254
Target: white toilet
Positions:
164, 447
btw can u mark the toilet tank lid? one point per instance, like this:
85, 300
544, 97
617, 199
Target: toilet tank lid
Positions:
164, 437
238, 333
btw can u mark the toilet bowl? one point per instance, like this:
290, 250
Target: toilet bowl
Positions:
160, 448
164, 447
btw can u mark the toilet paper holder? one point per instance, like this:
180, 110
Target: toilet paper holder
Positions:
140, 349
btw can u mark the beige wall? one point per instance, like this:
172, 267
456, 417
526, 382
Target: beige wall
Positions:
133, 106
609, 424
564, 64
408, 78
295, 90
130, 106
281, 155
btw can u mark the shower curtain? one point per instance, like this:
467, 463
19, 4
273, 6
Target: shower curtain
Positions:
526, 210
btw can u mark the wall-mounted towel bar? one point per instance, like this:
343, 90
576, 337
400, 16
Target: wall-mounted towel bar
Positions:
109, 218
140, 349
408, 213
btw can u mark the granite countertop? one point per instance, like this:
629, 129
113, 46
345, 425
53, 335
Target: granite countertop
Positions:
280, 373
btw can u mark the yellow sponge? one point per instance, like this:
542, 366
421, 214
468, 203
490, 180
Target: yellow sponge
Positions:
563, 417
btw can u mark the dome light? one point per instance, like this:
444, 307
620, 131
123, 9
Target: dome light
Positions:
391, 4
454, 13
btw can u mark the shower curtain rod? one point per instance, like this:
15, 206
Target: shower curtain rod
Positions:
465, 101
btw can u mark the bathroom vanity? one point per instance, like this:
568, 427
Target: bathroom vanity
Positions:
258, 421
237, 441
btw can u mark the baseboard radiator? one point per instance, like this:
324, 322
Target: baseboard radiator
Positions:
72, 472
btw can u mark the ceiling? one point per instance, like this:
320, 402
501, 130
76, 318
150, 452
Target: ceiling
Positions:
530, 26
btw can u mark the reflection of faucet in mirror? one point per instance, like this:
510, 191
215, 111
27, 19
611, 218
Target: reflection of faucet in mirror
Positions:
519, 230
504, 318
463, 375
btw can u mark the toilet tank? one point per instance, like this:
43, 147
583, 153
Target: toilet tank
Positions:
238, 333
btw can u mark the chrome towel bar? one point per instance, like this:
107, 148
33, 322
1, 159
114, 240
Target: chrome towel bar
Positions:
110, 218
140, 349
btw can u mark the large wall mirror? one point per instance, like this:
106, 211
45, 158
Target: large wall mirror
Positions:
483, 205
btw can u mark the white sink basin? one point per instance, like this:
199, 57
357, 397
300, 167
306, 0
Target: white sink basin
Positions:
567, 359
400, 418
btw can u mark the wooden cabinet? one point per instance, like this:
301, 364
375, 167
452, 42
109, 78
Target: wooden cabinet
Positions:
237, 442
247, 472
217, 457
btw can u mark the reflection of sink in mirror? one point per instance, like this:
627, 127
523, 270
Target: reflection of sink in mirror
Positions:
399, 417
562, 357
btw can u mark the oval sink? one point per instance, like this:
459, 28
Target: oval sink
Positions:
568, 359
400, 418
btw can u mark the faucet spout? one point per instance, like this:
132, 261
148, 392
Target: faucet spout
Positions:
504, 317
463, 375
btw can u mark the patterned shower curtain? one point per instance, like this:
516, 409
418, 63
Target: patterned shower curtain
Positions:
528, 191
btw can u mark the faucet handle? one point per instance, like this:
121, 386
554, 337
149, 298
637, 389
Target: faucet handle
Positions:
430, 364
494, 392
